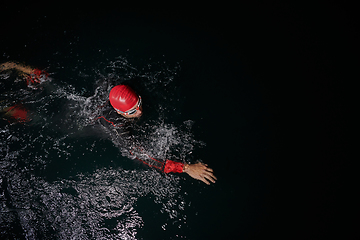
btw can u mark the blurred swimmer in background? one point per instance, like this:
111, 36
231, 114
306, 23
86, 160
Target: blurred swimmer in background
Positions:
32, 77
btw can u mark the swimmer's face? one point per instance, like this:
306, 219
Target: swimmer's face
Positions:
136, 111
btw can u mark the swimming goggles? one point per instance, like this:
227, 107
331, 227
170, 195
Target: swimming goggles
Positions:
132, 111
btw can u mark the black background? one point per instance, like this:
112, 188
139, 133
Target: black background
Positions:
301, 57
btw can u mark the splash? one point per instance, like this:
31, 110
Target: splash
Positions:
99, 203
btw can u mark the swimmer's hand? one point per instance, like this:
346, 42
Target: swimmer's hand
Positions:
201, 172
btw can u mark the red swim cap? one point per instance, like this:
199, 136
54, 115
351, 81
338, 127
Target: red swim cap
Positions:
123, 98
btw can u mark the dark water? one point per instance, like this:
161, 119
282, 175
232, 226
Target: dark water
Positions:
60, 180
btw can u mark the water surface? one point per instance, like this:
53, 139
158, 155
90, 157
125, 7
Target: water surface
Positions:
62, 178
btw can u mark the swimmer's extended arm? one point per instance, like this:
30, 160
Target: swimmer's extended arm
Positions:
199, 171
11, 65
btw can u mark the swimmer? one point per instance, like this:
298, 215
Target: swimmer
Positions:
128, 104
33, 77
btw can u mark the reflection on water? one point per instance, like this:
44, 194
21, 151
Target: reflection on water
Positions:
100, 202
94, 206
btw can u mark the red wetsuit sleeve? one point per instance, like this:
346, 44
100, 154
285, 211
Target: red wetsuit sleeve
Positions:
172, 166
167, 166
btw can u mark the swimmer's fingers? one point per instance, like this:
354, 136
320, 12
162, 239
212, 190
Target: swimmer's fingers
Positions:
205, 166
210, 176
209, 170
207, 177
207, 180
204, 180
